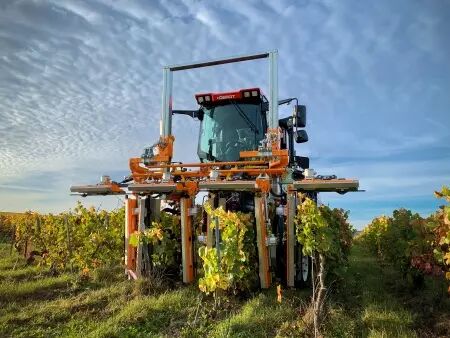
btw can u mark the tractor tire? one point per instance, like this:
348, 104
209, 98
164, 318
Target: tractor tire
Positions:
303, 270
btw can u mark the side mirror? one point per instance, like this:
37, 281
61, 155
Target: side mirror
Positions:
285, 123
302, 162
301, 136
300, 116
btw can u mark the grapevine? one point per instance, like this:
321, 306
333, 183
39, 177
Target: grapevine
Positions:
441, 231
324, 234
6, 226
323, 230
163, 235
83, 239
415, 245
232, 270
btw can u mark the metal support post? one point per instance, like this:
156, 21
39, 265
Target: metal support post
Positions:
155, 209
166, 113
142, 253
290, 239
130, 227
261, 236
186, 240
273, 88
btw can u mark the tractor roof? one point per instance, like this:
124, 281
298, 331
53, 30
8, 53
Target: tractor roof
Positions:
244, 95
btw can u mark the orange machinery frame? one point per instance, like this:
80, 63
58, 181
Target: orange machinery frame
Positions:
262, 166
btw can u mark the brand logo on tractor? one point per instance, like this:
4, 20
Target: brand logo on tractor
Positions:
223, 97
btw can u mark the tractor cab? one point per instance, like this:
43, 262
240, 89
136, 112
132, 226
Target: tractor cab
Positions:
231, 122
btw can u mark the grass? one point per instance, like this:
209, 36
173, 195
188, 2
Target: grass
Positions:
366, 308
376, 302
35, 304
261, 316
32, 303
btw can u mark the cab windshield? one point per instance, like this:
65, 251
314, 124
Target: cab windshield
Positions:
229, 129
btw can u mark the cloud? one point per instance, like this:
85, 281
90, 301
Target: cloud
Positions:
389, 185
6, 187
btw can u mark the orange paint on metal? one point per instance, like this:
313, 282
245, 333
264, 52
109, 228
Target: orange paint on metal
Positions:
132, 227
275, 164
137, 171
263, 184
190, 187
208, 164
279, 158
165, 149
188, 264
139, 177
115, 188
163, 155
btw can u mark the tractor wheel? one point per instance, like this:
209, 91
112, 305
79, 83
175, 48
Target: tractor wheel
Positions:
303, 270
305, 267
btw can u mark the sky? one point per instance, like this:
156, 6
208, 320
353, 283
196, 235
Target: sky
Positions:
81, 84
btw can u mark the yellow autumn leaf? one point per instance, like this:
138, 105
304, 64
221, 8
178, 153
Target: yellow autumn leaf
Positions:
279, 293
447, 258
